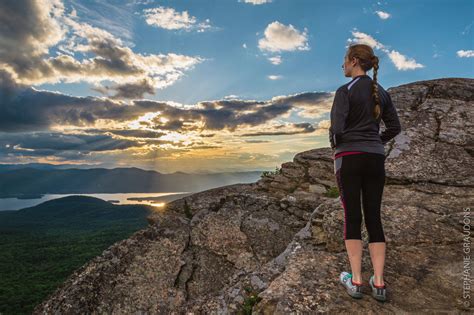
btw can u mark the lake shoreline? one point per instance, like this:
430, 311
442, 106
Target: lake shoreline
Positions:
15, 202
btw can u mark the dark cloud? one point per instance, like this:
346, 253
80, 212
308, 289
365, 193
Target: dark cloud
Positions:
132, 90
173, 125
28, 29
303, 128
137, 133
206, 147
31, 28
256, 141
24, 108
131, 133
80, 146
304, 98
218, 115
50, 142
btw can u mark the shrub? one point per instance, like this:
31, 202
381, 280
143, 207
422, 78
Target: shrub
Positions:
269, 173
251, 299
332, 192
187, 210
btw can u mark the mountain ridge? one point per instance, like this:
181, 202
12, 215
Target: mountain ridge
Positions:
30, 180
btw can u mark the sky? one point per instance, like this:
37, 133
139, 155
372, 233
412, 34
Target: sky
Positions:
203, 86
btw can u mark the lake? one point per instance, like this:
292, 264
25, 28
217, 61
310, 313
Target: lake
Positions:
154, 199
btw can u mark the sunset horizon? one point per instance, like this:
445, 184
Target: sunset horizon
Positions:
198, 87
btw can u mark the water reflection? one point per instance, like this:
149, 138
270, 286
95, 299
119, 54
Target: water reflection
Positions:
154, 199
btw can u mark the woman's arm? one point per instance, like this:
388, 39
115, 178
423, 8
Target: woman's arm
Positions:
339, 112
390, 119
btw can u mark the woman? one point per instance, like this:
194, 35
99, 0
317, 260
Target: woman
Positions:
359, 162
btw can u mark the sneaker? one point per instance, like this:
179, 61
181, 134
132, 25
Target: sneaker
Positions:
353, 289
379, 293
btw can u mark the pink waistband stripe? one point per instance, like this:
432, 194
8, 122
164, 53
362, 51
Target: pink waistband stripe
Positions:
347, 153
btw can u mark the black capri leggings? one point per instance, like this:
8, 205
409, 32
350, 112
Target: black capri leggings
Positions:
358, 172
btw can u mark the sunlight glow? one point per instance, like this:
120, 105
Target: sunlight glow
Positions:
159, 205
175, 137
148, 117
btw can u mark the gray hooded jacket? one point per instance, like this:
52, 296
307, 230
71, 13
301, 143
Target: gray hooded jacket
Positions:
353, 127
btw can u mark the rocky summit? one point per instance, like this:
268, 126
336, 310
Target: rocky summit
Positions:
276, 246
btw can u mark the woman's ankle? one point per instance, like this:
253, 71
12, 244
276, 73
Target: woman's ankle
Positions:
356, 279
378, 281
359, 283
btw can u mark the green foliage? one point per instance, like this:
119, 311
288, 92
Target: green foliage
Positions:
269, 173
187, 210
41, 246
332, 192
251, 299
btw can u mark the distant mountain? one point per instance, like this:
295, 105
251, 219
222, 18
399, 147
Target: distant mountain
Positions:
81, 212
42, 245
43, 166
33, 180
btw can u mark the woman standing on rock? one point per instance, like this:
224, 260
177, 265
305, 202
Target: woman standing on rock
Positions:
359, 162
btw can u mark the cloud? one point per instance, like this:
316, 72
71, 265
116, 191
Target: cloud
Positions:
275, 77
23, 108
467, 29
256, 141
114, 17
117, 63
231, 96
52, 143
279, 37
383, 15
465, 53
215, 115
26, 45
275, 60
51, 127
256, 2
170, 19
103, 148
312, 105
132, 90
128, 133
297, 129
140, 2
436, 53
363, 38
324, 124
400, 61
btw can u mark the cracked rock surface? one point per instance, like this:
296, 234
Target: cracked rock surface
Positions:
281, 237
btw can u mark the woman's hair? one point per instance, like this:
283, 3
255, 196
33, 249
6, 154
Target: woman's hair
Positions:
367, 61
